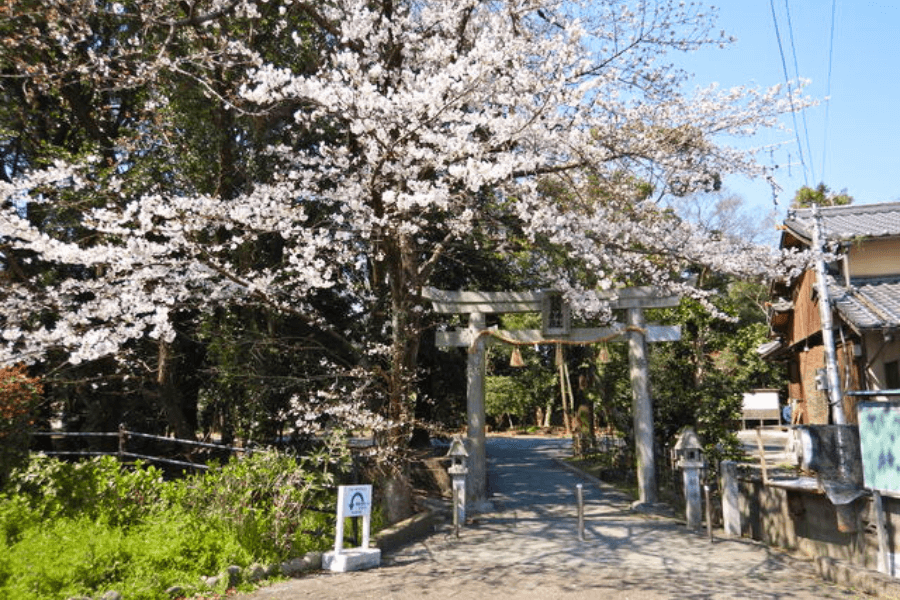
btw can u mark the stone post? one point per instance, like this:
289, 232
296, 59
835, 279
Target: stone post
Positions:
642, 407
731, 508
476, 479
692, 501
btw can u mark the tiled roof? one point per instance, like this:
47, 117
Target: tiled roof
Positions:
868, 303
848, 222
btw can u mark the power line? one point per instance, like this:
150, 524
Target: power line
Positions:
787, 80
787, 10
828, 87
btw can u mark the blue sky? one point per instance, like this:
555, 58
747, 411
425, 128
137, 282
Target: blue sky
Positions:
856, 148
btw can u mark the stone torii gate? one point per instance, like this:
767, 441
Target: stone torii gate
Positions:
555, 329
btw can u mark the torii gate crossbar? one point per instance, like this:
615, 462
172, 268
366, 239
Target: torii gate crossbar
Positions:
478, 304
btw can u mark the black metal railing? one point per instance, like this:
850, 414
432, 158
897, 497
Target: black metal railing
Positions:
123, 453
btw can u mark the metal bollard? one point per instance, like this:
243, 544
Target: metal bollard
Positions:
579, 498
708, 512
456, 509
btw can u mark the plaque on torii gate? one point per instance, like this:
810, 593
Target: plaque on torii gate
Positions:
555, 329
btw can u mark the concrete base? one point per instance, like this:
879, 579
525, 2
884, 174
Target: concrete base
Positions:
354, 559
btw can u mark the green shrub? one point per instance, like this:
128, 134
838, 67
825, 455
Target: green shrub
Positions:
71, 557
69, 529
65, 557
177, 548
98, 488
270, 499
16, 516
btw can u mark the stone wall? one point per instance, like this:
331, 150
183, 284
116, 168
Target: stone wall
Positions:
807, 522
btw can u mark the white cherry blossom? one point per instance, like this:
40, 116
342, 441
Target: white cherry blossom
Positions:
437, 108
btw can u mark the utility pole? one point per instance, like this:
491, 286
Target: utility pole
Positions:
835, 395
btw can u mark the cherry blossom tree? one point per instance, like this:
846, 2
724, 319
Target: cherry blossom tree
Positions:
417, 127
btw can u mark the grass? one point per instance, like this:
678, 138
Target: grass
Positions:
74, 557
82, 529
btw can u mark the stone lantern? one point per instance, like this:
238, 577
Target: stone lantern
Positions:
458, 471
688, 454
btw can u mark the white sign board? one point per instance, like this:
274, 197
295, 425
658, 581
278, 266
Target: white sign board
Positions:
760, 400
353, 501
356, 500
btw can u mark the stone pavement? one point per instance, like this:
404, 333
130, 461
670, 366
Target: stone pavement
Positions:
528, 548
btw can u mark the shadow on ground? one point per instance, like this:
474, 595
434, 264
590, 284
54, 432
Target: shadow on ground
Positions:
528, 548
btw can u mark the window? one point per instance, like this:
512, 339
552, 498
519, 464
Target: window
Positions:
892, 375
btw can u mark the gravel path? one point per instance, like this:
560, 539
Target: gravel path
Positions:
528, 548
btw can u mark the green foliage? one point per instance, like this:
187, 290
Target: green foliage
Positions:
700, 379
611, 392
180, 546
154, 132
66, 557
266, 499
820, 195
69, 529
16, 516
77, 556
97, 489
509, 396
518, 391
253, 369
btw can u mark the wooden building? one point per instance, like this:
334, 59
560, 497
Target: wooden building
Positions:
863, 285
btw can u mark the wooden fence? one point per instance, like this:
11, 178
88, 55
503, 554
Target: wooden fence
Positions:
123, 454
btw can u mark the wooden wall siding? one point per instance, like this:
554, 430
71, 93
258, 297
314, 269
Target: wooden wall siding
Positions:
849, 369
815, 401
875, 258
806, 319
812, 404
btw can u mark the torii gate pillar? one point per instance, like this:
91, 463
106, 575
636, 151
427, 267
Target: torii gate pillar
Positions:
642, 406
476, 478
477, 304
